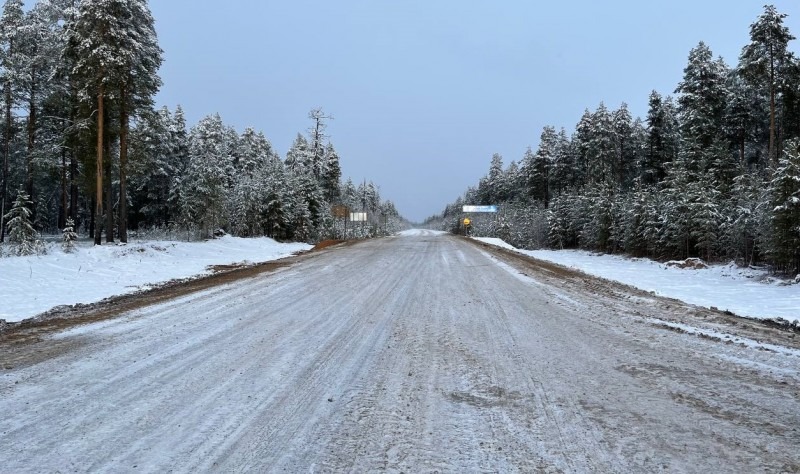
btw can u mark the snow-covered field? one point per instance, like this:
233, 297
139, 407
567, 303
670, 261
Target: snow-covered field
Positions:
743, 291
32, 285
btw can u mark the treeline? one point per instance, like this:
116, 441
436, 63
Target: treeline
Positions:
83, 144
713, 172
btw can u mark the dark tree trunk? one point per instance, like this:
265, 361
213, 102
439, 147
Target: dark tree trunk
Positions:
741, 147
773, 156
123, 163
92, 220
98, 229
6, 153
73, 186
64, 207
31, 144
109, 197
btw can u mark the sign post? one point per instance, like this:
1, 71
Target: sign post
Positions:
475, 209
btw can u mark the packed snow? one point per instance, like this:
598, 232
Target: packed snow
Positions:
743, 291
34, 284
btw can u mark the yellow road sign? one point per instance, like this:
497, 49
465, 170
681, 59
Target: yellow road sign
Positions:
467, 221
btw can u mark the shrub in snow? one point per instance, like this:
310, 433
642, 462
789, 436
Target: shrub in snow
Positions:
21, 234
692, 263
69, 237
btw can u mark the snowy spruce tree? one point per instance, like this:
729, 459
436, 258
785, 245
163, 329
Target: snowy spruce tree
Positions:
10, 60
21, 234
69, 237
784, 193
766, 63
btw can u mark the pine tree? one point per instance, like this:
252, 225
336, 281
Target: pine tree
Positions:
317, 160
208, 178
10, 27
743, 108
97, 37
21, 233
626, 147
784, 194
563, 173
298, 158
137, 86
701, 107
602, 149
69, 237
766, 61
332, 175
542, 162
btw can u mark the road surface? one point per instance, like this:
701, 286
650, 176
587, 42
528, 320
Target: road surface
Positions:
416, 353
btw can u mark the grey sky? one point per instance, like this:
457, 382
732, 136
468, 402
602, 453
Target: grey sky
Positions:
423, 92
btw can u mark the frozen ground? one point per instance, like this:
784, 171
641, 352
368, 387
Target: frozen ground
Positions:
419, 353
32, 285
743, 291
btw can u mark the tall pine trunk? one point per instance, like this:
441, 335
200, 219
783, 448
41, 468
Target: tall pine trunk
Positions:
98, 228
6, 154
123, 163
64, 207
31, 144
109, 194
773, 156
73, 187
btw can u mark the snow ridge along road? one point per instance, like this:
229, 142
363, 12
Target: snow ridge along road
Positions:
416, 353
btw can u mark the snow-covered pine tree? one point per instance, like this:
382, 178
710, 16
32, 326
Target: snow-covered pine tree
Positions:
706, 219
39, 48
784, 191
69, 236
493, 186
563, 173
702, 101
742, 125
298, 158
332, 175
10, 28
541, 164
137, 86
765, 63
97, 38
317, 161
582, 147
209, 175
627, 147
21, 234
652, 169
602, 153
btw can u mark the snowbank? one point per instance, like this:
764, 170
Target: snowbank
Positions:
32, 285
742, 291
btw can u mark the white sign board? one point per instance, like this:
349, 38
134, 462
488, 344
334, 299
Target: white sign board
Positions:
358, 217
480, 209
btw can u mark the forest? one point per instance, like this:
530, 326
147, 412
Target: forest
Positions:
85, 151
712, 171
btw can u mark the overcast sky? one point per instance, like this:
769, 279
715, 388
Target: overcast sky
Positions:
423, 92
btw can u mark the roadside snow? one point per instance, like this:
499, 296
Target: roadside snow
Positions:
32, 285
743, 291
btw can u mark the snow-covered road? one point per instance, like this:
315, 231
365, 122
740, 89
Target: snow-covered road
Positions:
417, 353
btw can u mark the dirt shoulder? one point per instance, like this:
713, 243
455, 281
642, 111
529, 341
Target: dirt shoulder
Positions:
24, 336
643, 303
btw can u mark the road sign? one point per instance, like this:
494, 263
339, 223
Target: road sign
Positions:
467, 221
358, 217
479, 209
339, 211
